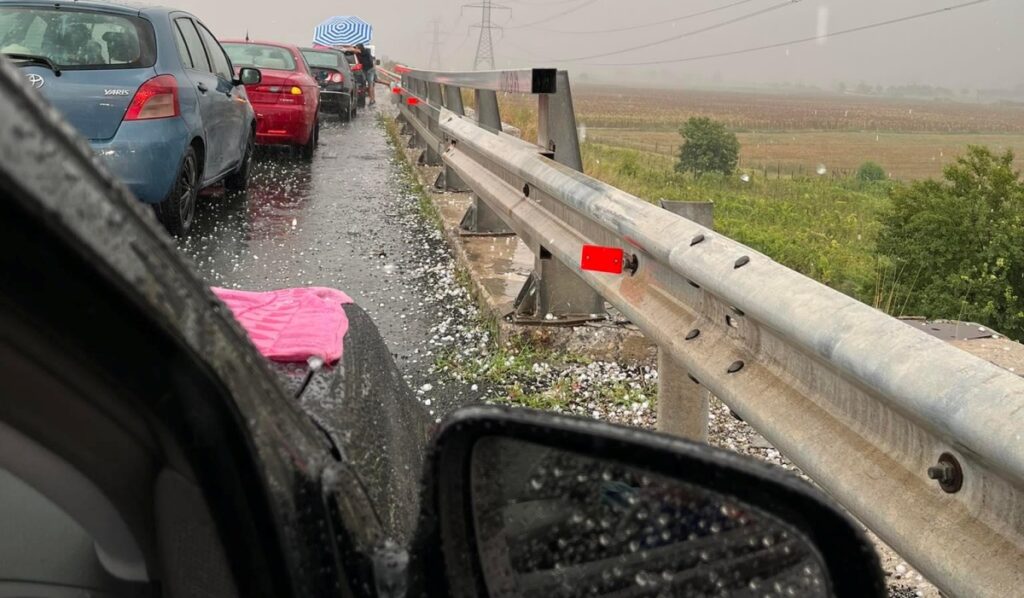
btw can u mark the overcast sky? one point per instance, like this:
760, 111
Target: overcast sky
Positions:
980, 46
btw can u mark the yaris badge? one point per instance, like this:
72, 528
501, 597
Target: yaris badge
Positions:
35, 80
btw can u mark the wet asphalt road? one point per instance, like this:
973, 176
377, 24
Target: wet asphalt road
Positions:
347, 220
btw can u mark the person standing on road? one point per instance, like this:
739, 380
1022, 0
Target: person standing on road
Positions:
369, 67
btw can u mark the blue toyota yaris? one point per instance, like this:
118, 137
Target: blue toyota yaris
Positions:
150, 88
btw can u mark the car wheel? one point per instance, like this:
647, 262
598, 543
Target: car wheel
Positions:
238, 181
314, 139
178, 209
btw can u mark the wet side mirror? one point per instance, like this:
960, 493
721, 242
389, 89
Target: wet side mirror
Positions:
531, 504
249, 76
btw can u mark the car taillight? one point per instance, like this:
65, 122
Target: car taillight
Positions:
337, 78
157, 98
357, 67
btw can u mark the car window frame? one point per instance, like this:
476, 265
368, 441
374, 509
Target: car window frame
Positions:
194, 67
200, 27
183, 50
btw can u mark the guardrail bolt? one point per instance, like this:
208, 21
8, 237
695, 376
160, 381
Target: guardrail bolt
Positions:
631, 264
693, 335
697, 240
736, 367
948, 474
743, 261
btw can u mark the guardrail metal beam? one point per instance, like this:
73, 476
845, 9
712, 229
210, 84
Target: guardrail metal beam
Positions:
864, 404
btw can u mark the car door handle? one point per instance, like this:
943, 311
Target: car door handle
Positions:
203, 88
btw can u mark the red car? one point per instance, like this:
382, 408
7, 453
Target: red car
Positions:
287, 100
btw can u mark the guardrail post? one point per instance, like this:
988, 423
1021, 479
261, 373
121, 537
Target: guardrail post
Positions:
556, 127
487, 113
481, 219
701, 212
555, 294
449, 179
453, 99
682, 401
431, 155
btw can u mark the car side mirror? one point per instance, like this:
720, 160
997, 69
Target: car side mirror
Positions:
520, 503
249, 76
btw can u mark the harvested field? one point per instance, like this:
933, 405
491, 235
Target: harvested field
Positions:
905, 156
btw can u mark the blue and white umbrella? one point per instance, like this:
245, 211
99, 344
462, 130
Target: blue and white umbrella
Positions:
343, 31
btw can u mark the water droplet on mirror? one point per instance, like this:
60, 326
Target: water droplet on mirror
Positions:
605, 540
536, 484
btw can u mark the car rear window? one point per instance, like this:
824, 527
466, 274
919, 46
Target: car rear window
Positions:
327, 60
78, 39
261, 57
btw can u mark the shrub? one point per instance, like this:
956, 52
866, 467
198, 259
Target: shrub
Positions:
870, 172
959, 243
707, 147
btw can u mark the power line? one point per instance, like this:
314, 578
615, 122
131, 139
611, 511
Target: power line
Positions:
804, 40
585, 4
654, 24
659, 42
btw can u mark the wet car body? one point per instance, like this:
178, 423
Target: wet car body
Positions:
287, 100
140, 101
331, 69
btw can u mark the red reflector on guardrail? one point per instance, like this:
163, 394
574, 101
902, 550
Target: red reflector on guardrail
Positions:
412, 100
396, 90
602, 259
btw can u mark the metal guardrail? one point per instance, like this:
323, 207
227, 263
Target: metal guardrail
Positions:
921, 441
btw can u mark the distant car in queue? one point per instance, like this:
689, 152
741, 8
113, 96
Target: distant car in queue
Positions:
357, 70
337, 84
287, 100
149, 88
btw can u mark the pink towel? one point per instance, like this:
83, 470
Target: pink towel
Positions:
292, 325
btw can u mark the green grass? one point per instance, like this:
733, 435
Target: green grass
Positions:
824, 228
425, 204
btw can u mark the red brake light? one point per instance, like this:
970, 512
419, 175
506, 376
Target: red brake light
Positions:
157, 98
337, 78
412, 101
357, 67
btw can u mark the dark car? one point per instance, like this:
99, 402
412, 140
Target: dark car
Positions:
337, 83
362, 90
147, 449
150, 88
